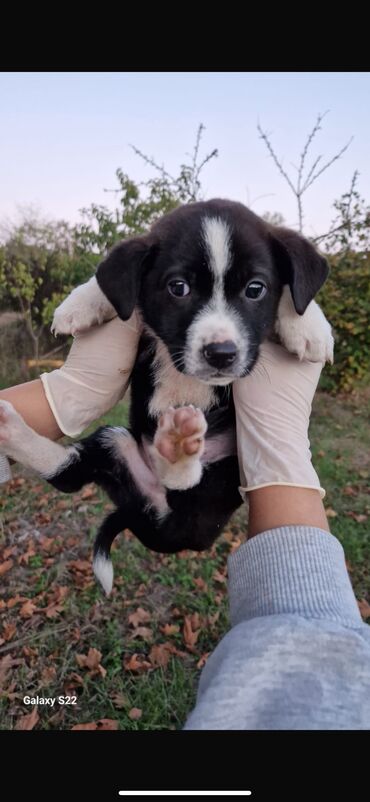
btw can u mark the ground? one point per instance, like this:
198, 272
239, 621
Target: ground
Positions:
133, 661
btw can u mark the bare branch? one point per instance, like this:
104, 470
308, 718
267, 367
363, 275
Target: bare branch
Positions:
266, 140
329, 163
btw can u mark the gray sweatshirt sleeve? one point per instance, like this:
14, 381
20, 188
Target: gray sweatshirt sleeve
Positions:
297, 655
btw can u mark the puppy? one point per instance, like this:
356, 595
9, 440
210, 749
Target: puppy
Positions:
212, 281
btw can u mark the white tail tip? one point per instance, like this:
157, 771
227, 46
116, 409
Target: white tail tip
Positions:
103, 570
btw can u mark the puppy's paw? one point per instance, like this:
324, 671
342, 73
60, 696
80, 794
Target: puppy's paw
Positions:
308, 335
181, 433
12, 428
84, 307
178, 445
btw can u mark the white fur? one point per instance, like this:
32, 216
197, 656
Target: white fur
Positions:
308, 335
217, 322
20, 442
103, 570
173, 388
216, 235
124, 447
84, 307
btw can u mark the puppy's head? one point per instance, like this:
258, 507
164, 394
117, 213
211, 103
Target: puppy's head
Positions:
208, 279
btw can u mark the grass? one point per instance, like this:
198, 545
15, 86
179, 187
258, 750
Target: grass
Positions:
60, 636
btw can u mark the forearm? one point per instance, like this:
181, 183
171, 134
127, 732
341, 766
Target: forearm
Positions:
298, 654
280, 505
30, 401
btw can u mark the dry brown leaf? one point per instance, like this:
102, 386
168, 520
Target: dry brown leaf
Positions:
330, 513
349, 491
143, 632
48, 673
219, 577
119, 700
170, 629
29, 721
27, 609
135, 713
88, 492
364, 608
5, 566
15, 600
159, 654
53, 610
9, 631
203, 660
91, 660
136, 663
9, 551
92, 726
200, 583
140, 616
190, 637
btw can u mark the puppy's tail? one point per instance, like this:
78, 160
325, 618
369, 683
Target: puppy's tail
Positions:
103, 568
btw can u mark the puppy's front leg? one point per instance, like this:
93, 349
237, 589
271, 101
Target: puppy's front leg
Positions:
84, 307
178, 446
308, 335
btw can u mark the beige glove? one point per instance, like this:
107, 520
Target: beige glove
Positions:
273, 407
95, 375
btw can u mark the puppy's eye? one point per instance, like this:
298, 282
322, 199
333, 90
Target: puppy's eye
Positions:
178, 287
255, 290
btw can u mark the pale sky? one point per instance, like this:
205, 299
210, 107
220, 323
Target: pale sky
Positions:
63, 135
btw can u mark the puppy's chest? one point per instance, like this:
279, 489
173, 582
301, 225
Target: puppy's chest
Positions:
172, 388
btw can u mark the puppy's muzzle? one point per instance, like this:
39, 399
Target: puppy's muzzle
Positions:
220, 355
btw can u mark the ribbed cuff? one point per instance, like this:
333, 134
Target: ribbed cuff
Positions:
291, 569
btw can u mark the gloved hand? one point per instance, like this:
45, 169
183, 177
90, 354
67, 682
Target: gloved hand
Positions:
95, 375
273, 407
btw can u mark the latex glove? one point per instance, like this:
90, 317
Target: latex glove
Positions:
273, 407
95, 376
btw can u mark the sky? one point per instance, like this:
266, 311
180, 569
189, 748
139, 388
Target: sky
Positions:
63, 136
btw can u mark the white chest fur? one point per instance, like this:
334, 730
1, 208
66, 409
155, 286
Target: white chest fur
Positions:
175, 389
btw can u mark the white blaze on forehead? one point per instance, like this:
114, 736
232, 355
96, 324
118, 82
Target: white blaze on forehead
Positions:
216, 234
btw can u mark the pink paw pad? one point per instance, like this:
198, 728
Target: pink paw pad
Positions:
181, 433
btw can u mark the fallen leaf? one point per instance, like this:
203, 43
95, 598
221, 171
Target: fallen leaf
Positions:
91, 726
15, 600
88, 492
321, 453
29, 721
102, 724
159, 654
9, 551
170, 629
330, 513
9, 631
190, 637
48, 674
140, 616
360, 518
27, 609
6, 566
203, 660
136, 663
219, 577
143, 632
364, 608
119, 700
135, 713
91, 661
200, 583
349, 491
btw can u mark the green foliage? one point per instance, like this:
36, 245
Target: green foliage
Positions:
345, 298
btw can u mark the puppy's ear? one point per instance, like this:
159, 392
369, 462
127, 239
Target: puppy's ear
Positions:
300, 265
119, 274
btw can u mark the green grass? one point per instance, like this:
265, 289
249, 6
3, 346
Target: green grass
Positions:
48, 537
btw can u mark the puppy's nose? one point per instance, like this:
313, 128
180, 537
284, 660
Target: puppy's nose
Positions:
220, 355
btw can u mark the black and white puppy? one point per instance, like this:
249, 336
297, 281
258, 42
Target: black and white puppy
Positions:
211, 281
